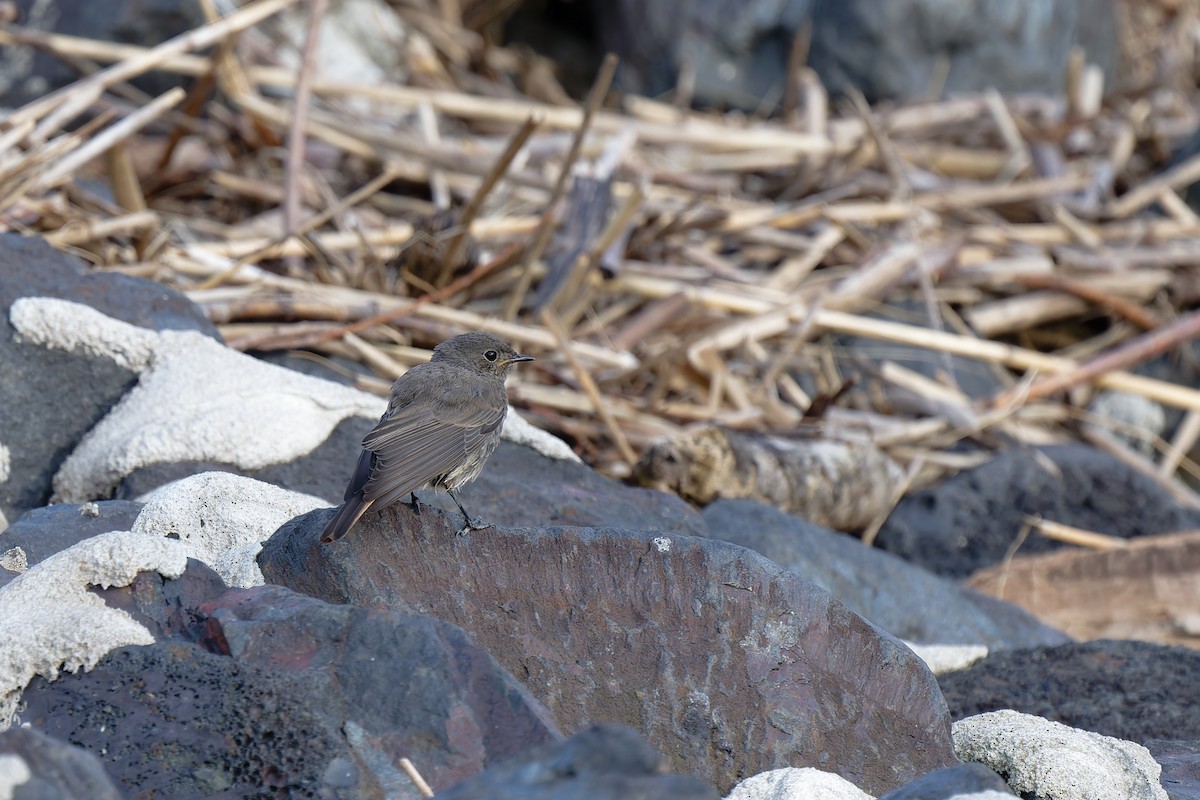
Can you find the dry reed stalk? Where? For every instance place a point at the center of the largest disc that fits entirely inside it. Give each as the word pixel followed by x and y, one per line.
pixel 733 242
pixel 106 139
pixel 1145 347
pixel 545 228
pixel 297 127
pixel 475 204
pixel 1071 535
pixel 80 231
pixel 1181 444
pixel 567 349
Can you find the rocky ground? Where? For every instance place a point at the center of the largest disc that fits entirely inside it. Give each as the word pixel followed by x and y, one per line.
pixel 825 520
pixel 189 636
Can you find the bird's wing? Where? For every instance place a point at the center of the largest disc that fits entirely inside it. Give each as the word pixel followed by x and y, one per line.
pixel 420 441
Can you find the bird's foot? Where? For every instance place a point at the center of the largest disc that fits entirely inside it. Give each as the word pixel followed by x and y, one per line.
pixel 473 525
pixel 414 503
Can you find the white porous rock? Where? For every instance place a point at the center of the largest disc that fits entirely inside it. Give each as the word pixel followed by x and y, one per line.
pixel 51 622
pixel 195 400
pixel 13 773
pixel 76 328
pixel 796 783
pixel 943 658
pixel 14 559
pixel 222 520
pixel 1044 759
pixel 518 429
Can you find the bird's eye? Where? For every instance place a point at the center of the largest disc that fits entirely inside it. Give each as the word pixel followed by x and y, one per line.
pixel 491 355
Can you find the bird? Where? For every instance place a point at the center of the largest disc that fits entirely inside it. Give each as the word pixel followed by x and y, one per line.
pixel 441 425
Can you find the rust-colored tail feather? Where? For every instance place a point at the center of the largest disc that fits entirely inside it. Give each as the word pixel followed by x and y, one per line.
pixel 341 523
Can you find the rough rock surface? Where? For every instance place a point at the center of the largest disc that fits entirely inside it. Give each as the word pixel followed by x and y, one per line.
pixel 42 532
pixel 406 685
pixel 164 606
pixel 34 766
pixel 222 519
pixel 604 762
pixel 729 663
pixel 1130 690
pixel 52 622
pixel 52 397
pixel 1040 758
pixel 903 599
pixel 222 728
pixel 972 519
pixel 195 400
pixel 280 691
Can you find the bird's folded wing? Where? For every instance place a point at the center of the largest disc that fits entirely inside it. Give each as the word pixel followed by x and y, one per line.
pixel 415 446
pixel 362 474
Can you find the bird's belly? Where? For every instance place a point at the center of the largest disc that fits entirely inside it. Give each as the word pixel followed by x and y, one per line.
pixel 470 467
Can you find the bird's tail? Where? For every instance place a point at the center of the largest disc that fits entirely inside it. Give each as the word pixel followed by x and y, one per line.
pixel 341 523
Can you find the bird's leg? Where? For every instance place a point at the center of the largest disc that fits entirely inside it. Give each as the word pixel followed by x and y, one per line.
pixel 472 524
pixel 414 504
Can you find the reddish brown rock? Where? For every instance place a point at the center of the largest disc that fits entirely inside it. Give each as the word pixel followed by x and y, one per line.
pixel 727 663
pixel 407 686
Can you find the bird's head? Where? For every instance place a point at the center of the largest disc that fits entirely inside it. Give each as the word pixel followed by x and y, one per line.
pixel 481 352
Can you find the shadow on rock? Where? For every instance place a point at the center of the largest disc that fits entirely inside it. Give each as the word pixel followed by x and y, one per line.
pixel 604 762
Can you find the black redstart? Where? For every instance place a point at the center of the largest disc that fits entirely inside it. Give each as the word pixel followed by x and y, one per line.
pixel 441 425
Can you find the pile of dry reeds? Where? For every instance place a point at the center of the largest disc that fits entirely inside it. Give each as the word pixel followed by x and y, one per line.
pixel 669 268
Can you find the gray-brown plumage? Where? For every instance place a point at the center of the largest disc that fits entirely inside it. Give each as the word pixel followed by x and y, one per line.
pixel 441 425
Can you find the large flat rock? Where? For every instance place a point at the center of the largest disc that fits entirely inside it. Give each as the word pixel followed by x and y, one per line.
pixel 728 663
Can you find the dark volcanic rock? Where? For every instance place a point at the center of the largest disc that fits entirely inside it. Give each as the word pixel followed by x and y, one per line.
pixel 903 599
pixel 29 267
pixel 605 762
pixel 407 686
pixel 42 532
pixel 971 520
pixel 728 663
pixel 56 770
pixel 520 486
pixel 893 49
pixel 51 398
pixel 957 781
pixel 738 52
pixel 1130 690
pixel 172 720
pixel 166 606
pixel 29 73
pixel 322 472
pixel 279 693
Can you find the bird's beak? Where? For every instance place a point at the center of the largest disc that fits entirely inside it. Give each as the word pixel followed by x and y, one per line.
pixel 519 357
